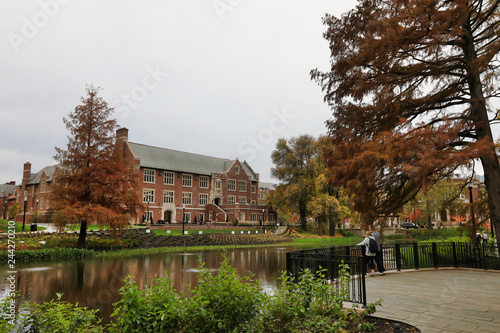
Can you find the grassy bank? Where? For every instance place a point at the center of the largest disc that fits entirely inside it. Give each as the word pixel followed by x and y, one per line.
pixel 4 227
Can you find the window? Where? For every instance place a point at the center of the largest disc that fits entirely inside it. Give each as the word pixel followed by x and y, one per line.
pixel 253 202
pixel 237 169
pixel 187 180
pixel 242 200
pixel 168 178
pixel 261 217
pixel 47 204
pixel 218 184
pixel 187 217
pixel 242 186
pixel 148 195
pixel 41 204
pixel 231 200
pixel 203 182
pixel 148 216
pixel 168 196
pixel 202 217
pixel 231 185
pixel 187 198
pixel 42 186
pixel 253 217
pixel 149 176
pixel 253 188
pixel 203 199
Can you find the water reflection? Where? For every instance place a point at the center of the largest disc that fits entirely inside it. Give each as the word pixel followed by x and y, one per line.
pixel 96 283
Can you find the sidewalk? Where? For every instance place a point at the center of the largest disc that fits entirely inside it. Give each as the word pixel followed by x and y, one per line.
pixel 439 300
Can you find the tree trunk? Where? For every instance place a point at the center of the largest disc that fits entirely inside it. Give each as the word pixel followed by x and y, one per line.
pixel 302 212
pixel 429 213
pixel 83 234
pixel 491 166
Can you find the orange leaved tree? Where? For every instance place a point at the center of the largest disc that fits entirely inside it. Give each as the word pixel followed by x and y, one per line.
pixel 93 185
pixel 410 86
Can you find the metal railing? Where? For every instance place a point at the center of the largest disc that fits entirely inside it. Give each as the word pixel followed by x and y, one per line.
pixel 396 257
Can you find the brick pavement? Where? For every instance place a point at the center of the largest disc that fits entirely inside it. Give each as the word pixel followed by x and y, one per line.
pixel 439 300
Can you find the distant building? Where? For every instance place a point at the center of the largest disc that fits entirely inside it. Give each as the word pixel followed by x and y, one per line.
pixel 7 198
pixel 265 189
pixel 34 193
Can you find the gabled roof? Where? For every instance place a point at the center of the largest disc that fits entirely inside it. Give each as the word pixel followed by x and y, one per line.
pixel 267 185
pixel 7 190
pixel 49 171
pixel 174 160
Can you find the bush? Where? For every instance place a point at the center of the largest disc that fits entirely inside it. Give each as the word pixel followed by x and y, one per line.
pixel 223 302
pixel 55 316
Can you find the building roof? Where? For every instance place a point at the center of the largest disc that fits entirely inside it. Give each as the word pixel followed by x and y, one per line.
pixel 174 160
pixel 49 171
pixel 7 190
pixel 267 185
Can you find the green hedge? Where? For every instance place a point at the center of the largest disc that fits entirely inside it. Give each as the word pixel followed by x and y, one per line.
pixel 44 254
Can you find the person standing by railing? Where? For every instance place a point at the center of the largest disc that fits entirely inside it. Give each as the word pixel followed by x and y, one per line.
pixel 367 255
pixel 379 257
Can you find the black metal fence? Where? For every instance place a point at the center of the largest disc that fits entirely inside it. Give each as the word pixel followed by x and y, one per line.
pixel 396 257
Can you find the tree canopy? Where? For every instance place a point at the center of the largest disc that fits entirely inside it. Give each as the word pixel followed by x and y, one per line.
pixel 410 86
pixel 93 183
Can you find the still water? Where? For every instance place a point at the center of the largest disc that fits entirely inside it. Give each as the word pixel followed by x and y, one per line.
pixel 96 283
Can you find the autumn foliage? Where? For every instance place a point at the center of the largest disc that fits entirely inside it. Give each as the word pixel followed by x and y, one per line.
pixel 93 184
pixel 409 86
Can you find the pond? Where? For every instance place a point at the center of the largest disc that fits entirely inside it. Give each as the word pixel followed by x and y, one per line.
pixel 95 283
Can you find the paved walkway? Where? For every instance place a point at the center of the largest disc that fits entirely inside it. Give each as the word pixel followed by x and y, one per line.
pixel 442 300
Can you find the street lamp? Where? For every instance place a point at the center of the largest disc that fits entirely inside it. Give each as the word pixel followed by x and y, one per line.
pixel 183 217
pixel 263 221
pixel 36 211
pixel 24 216
pixel 471 201
pixel 147 215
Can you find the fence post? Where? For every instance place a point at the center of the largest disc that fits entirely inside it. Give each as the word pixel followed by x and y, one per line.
pixel 398 257
pixel 435 255
pixel 454 249
pixel 348 251
pixel 415 256
pixel 363 279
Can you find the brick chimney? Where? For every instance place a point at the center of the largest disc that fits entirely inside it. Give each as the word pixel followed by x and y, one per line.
pixel 122 134
pixel 27 172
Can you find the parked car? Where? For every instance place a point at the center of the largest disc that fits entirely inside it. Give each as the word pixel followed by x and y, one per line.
pixel 409 225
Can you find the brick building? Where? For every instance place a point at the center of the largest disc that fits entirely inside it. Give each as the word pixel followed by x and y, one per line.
pixel 7 198
pixel 34 193
pixel 174 184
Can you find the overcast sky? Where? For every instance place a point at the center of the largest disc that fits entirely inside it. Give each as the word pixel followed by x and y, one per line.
pixel 224 78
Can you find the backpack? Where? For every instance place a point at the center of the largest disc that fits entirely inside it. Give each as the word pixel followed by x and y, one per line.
pixel 372 247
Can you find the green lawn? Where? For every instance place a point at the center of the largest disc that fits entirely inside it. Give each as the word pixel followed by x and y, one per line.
pixel 4 226
pixel 205 231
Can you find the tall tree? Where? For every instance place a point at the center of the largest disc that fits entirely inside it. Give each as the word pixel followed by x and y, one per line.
pixel 296 167
pixel 93 183
pixel 409 85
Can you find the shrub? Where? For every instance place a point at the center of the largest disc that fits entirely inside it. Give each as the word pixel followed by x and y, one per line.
pixel 55 316
pixel 311 305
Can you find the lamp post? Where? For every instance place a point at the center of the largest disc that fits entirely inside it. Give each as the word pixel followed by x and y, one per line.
pixel 183 217
pixel 24 216
pixel 263 221
pixel 471 201
pixel 147 214
pixel 36 211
